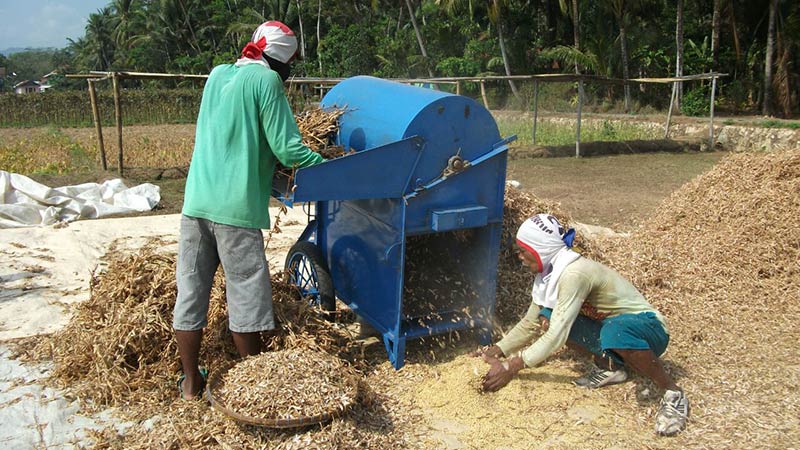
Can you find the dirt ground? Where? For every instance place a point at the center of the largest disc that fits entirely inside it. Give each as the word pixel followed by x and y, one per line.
pixel 611 191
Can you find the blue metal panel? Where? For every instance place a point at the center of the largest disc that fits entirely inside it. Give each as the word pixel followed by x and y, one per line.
pixel 454 219
pixel 381 172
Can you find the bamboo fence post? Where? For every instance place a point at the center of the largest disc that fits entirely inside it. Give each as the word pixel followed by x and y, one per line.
pixel 711 125
pixel 535 107
pixel 669 111
pixel 118 117
pixel 98 127
pixel 578 128
pixel 458 88
pixel 483 94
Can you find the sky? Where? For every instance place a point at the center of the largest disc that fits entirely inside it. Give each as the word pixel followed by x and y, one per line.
pixel 44 23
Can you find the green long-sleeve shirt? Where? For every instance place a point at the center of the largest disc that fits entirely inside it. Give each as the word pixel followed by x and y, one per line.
pixel 244 125
pixel 587 287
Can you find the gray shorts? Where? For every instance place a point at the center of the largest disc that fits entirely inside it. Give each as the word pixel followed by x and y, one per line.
pixel 202 246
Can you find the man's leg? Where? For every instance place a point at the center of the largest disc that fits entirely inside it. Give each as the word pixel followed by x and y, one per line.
pixel 584 338
pixel 247 344
pixel 189 350
pixel 197 263
pixel 647 364
pixel 247 282
pixel 639 339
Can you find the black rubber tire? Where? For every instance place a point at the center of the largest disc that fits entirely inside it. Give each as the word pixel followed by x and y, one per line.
pixel 308 254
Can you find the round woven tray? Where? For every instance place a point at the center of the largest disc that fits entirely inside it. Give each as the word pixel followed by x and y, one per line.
pixel 296 422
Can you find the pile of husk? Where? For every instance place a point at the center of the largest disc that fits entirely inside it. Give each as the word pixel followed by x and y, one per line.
pixel 291 384
pixel 514 281
pixel 721 260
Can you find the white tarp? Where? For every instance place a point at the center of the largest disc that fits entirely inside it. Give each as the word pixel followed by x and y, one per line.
pixel 24 202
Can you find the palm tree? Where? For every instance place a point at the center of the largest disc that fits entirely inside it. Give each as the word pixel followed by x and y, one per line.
pixel 715 21
pixel 495 14
pixel 766 107
pixel 419 37
pixel 574 12
pixel 678 87
pixel 99 41
pixel 618 8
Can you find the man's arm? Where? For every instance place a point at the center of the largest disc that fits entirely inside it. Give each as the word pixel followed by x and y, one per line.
pixel 281 130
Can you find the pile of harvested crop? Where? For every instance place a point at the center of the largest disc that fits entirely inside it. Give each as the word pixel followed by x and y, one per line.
pixel 287 385
pixel 318 126
pixel 721 259
pixel 119 347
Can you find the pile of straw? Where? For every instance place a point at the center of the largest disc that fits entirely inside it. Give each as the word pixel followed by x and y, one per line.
pixel 119 347
pixel 721 260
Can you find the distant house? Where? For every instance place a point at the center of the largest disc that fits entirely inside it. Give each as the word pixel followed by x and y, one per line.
pixel 44 82
pixel 27 87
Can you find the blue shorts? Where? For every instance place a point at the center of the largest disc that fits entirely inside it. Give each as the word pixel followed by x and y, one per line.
pixel 202 246
pixel 642 331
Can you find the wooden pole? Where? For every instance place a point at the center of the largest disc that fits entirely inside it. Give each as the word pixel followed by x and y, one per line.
pixel 578 128
pixel 118 117
pixel 458 88
pixel 483 94
pixel 669 111
pixel 535 108
pixel 711 126
pixel 98 127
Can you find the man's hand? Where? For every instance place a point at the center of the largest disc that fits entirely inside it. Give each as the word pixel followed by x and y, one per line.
pixel 500 372
pixel 488 350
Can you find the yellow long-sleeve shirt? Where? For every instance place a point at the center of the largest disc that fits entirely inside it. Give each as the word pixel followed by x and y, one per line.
pixel 585 287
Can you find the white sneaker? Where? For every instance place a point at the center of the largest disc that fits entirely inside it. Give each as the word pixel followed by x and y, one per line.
pixel 672 414
pixel 597 377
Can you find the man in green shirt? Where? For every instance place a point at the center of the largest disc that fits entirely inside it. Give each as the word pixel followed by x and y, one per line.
pixel 594 310
pixel 244 126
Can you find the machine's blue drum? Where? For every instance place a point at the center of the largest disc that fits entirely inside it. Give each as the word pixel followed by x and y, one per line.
pixel 379 112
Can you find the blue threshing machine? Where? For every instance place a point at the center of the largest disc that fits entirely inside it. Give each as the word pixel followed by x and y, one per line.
pixel 425 165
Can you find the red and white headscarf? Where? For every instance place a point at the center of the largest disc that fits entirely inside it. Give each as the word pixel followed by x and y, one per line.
pixel 545 238
pixel 273 39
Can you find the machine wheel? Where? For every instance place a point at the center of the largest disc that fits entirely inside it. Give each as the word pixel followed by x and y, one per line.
pixel 310 273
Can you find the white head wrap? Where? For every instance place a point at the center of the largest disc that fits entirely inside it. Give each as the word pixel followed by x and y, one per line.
pixel 273 39
pixel 545 238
